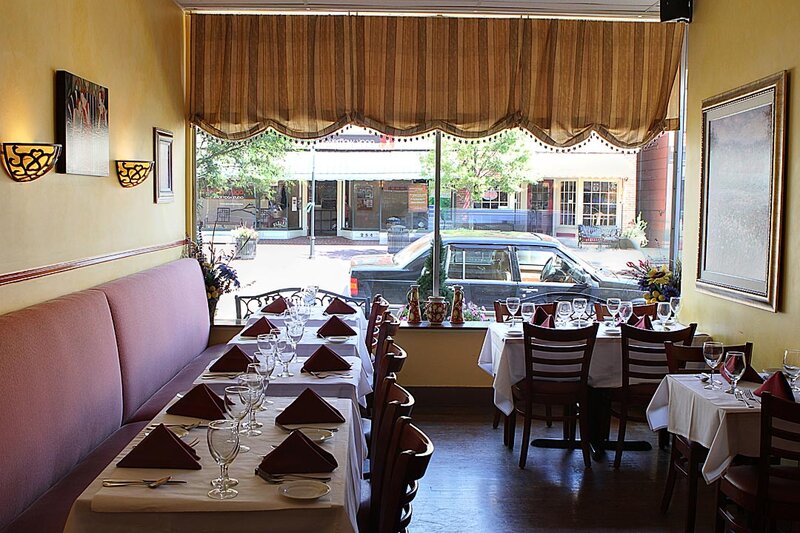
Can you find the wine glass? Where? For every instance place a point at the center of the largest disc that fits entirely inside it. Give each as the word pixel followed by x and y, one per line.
pixel 712 353
pixel 264 343
pixel 528 310
pixel 663 310
pixel 613 308
pixel 735 365
pixel 284 355
pixel 579 306
pixel 625 312
pixel 237 404
pixel 675 305
pixel 791 366
pixel 303 314
pixel 563 311
pixel 310 295
pixel 512 304
pixel 295 331
pixel 223 444
pixel 255 382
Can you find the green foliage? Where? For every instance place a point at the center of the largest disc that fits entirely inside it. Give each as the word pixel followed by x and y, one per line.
pixel 500 164
pixel 254 165
pixel 425 280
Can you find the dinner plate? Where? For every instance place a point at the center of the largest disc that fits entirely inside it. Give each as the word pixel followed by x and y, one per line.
pixel 306 489
pixel 337 340
pixel 514 333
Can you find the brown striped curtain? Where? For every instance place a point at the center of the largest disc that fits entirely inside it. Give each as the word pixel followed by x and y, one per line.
pixel 308 76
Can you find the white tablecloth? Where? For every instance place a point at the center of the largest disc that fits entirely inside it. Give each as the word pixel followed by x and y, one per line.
pixel 714 419
pixel 258 507
pixel 317 318
pixel 504 358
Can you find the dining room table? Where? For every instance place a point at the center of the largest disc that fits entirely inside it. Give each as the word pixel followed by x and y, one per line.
pixel 259 506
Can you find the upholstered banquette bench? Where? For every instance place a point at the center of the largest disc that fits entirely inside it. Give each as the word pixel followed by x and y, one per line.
pixel 81 375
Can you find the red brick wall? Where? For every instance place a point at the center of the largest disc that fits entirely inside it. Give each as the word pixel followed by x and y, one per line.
pixel 653 185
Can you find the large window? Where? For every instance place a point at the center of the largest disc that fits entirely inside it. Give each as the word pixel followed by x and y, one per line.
pixel 568 203
pixel 600 203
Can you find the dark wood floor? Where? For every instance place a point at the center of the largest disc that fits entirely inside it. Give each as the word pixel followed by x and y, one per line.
pixel 473 483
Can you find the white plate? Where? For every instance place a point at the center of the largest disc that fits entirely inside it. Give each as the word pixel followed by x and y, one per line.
pixel 307 489
pixel 317 435
pixel 337 340
pixel 514 333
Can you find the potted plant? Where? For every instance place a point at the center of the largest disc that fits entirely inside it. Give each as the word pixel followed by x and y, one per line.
pixel 218 275
pixel 246 242
pixel 635 234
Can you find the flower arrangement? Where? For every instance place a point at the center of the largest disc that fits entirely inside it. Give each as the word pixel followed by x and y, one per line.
pixel 659 283
pixel 243 233
pixel 218 275
pixel 473 313
pixel 636 231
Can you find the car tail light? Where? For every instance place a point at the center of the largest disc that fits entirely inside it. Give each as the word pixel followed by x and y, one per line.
pixel 353 286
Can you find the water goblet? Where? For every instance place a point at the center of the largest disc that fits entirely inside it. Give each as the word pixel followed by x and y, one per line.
pixel 264 343
pixel 675 305
pixel 735 365
pixel 528 310
pixel 664 311
pixel 255 382
pixel 563 312
pixel 512 304
pixel 237 405
pixel 625 312
pixel 613 308
pixel 285 356
pixel 712 353
pixel 791 366
pixel 579 305
pixel 223 444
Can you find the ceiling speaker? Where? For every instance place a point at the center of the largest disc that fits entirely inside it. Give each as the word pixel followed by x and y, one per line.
pixel 676 10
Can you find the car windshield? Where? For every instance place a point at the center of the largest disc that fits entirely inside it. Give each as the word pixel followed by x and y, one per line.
pixel 411 251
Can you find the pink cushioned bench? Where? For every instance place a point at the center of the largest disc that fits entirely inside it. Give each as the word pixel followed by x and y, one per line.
pixel 82 374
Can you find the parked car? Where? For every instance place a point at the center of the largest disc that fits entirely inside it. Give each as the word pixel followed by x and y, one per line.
pixel 491 265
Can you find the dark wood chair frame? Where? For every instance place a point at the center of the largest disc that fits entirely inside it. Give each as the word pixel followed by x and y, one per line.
pixel 542 368
pixel 376 315
pixel 247 305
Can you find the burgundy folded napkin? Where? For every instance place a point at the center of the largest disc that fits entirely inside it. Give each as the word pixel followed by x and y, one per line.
pixel 749 374
pixel 335 327
pixel 309 408
pixel 234 360
pixel 642 322
pixel 338 307
pixel 262 326
pixel 548 322
pixel 297 454
pixel 200 402
pixel 778 386
pixel 161 449
pixel 325 360
pixel 539 316
pixel 275 307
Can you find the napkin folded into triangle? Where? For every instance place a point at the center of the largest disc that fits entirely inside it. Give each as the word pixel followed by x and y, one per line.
pixel 641 322
pixel 297 454
pixel 276 306
pixel 325 360
pixel 778 386
pixel 749 374
pixel 335 327
pixel 161 449
pixel 262 326
pixel 200 402
pixel 539 316
pixel 339 307
pixel 309 408
pixel 234 360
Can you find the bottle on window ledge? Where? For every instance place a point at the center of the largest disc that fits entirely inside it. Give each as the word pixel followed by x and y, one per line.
pixel 457 314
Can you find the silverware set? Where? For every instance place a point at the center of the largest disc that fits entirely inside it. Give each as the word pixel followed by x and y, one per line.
pixel 149 483
pixel 285 428
pixel 277 479
pixel 747 397
pixel 187 427
pixel 330 374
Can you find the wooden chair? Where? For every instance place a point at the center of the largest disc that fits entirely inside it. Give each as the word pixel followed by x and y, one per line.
pixel 556 373
pixel 502 315
pixel 409 455
pixel 388 328
pixel 765 492
pixel 601 311
pixel 644 365
pixel 376 315
pixel 686 456
pixel 247 305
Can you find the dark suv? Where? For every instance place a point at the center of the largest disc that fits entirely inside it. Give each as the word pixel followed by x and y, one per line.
pixel 490 265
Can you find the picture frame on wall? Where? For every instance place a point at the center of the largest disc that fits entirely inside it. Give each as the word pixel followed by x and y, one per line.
pixel 741 193
pixel 82 126
pixel 163 184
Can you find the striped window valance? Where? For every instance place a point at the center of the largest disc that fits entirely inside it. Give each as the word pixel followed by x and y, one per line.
pixel 308 76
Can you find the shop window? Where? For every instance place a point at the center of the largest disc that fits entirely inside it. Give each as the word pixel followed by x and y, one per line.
pixel 567 203
pixel 600 203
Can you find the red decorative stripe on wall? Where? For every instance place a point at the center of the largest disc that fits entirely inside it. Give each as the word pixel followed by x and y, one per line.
pixel 57 268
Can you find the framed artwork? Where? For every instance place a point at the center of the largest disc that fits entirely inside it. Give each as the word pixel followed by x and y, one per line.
pixel 162 156
pixel 741 193
pixel 81 125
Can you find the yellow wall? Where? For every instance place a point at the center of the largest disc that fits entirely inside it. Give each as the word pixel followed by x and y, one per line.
pixel 135 49
pixel 732 43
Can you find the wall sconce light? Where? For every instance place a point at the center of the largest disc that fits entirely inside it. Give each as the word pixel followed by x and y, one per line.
pixel 29 161
pixel 132 173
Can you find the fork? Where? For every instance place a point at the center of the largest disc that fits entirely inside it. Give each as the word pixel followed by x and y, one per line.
pixel 750 396
pixel 740 396
pixel 194 442
pixel 334 430
pixel 321 375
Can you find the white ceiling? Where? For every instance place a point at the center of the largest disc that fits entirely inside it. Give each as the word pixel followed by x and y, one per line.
pixel 625 9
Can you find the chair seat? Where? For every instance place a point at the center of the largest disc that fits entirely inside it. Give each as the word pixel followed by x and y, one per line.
pixel 740 483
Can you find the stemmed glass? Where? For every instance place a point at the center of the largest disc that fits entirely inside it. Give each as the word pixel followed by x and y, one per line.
pixel 625 312
pixel 264 343
pixel 295 331
pixel 303 314
pixel 791 366
pixel 563 312
pixel 512 304
pixel 734 366
pixel 675 305
pixel 712 353
pixel 663 310
pixel 579 306
pixel 223 443
pixel 528 310
pixel 613 308
pixel 237 404
pixel 310 295
pixel 285 356
pixel 255 382
pixel 264 369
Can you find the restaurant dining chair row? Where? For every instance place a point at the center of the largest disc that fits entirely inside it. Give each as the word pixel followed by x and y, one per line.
pixel 246 305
